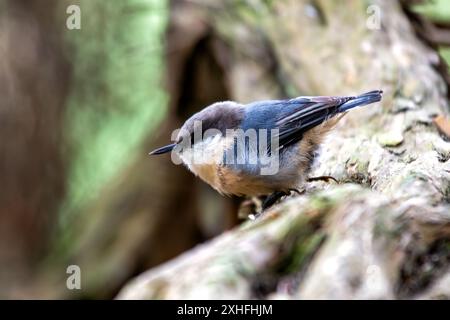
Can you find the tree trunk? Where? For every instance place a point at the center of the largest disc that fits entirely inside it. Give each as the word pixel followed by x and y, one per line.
pixel 384 230
pixel 34 77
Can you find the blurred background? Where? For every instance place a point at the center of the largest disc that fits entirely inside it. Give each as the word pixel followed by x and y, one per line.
pixel 80 110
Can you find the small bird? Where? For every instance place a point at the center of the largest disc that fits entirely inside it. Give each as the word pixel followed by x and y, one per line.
pixel 264 148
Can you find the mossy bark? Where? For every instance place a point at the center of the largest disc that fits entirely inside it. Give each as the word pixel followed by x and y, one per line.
pixel 383 232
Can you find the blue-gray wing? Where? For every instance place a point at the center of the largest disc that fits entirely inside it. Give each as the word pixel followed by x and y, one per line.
pixel 310 112
pixel 293 117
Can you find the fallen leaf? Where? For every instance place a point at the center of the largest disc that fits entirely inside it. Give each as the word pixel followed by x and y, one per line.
pixel 443 125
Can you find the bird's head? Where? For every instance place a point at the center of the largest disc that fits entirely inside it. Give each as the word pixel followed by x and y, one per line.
pixel 202 135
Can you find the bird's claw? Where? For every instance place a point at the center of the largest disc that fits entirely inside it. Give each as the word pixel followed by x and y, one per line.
pixel 274 197
pixel 322 178
pixel 271 199
pixel 297 191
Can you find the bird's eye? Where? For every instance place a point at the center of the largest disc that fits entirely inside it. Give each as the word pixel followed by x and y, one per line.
pixel 186 140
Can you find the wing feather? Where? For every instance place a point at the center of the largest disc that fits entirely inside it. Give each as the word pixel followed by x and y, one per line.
pixel 310 112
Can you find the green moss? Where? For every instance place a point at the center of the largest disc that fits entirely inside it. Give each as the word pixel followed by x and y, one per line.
pixel 383 229
pixel 320 203
pixel 116 96
pixel 390 139
pixel 301 253
pixel 361 165
pixel 306 235
pixel 116 100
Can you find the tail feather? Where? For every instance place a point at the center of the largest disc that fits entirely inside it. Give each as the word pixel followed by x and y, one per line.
pixel 362 100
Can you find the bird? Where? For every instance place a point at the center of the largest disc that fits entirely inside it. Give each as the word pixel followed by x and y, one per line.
pixel 263 148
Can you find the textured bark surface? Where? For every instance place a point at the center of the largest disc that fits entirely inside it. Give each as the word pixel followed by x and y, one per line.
pixel 384 230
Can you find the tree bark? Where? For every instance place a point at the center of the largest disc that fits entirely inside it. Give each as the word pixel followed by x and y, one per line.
pixel 383 232
pixel 34 74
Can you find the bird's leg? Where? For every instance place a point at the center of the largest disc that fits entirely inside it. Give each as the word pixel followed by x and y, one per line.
pixel 322 178
pixel 271 199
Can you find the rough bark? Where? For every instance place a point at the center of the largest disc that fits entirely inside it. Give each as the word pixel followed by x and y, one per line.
pixel 383 232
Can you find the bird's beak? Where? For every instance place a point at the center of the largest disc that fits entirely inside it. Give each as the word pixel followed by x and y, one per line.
pixel 164 149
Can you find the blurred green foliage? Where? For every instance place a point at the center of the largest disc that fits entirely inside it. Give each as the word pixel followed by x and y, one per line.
pixel 116 95
pixel 437 10
pixel 445 52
